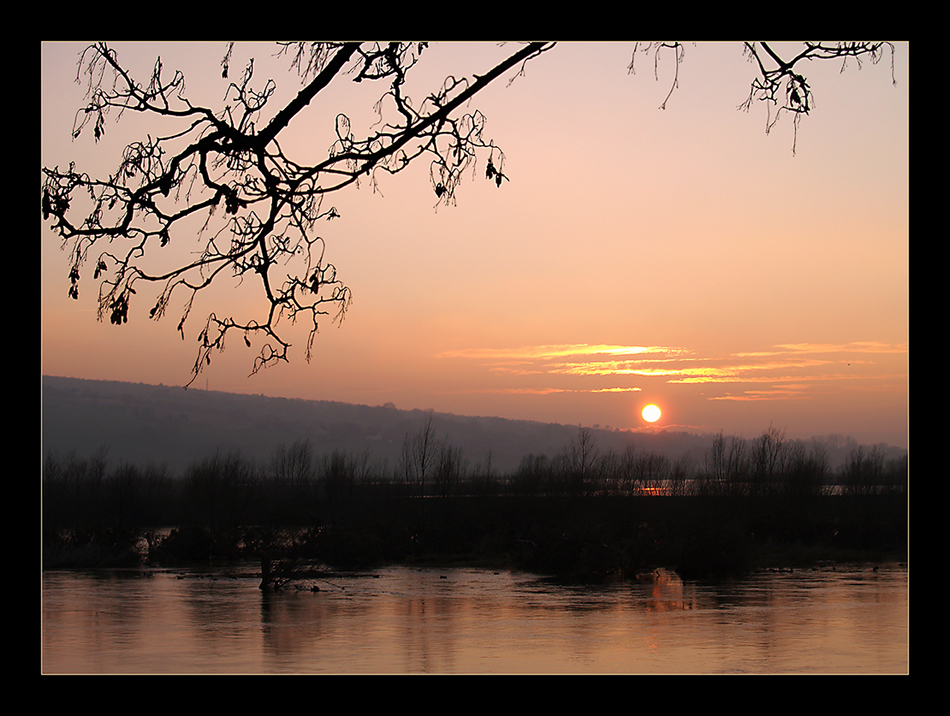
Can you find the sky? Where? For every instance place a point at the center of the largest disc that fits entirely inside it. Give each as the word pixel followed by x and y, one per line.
pixel 683 256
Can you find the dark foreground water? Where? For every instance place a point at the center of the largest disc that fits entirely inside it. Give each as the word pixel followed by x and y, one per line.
pixel 852 619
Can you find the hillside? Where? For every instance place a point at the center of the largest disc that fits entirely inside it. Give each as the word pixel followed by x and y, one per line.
pixel 167 425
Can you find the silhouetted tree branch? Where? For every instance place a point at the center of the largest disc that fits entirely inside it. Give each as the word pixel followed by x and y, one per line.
pixel 170 188
pixel 781 85
pixel 779 82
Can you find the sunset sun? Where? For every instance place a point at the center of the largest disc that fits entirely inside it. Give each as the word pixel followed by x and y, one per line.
pixel 651 413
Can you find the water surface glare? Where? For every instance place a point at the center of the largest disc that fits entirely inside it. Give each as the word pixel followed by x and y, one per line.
pixel 401 620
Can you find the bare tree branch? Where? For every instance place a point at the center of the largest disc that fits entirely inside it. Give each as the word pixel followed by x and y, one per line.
pixel 168 189
pixel 782 87
pixel 779 83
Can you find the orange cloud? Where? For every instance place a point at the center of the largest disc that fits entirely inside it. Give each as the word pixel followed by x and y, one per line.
pixel 823 348
pixel 786 371
pixel 549 391
pixel 551 352
pixel 788 393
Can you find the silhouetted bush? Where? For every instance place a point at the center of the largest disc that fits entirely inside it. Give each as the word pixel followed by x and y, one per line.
pixel 186 544
pixel 348 548
pixel 713 548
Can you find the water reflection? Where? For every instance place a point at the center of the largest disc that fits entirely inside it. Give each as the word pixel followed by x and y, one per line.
pixel 475 621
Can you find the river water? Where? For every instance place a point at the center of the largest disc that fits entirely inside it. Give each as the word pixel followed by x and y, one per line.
pixel 846 619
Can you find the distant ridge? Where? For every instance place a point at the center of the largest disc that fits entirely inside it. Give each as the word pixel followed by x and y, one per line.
pixel 142 424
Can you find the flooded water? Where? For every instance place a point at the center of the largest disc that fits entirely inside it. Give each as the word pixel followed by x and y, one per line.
pixel 853 619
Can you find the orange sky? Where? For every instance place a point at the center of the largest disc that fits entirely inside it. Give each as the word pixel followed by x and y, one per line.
pixel 680 257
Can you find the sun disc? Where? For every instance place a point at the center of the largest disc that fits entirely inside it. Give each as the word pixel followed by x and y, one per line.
pixel 651 413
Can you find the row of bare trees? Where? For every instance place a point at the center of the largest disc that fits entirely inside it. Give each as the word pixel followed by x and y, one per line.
pixel 298 486
pixel 582 468
pixel 348 508
pixel 768 465
pixel 88 493
pixel 774 465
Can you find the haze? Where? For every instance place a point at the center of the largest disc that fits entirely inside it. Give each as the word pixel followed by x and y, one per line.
pixel 680 257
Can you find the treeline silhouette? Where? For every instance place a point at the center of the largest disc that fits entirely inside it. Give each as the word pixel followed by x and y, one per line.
pixel 583 513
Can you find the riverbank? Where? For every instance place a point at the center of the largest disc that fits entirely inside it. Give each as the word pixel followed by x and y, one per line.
pixel 584 538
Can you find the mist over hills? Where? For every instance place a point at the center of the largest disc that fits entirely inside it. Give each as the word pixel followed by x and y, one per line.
pixel 155 424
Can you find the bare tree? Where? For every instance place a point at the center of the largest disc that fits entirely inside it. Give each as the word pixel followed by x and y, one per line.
pixel 581 454
pixel 863 472
pixel 168 188
pixel 419 455
pixel 716 461
pixel 449 469
pixel 768 454
pixel 805 470
pixel 222 175
pixel 293 476
pixel 737 466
